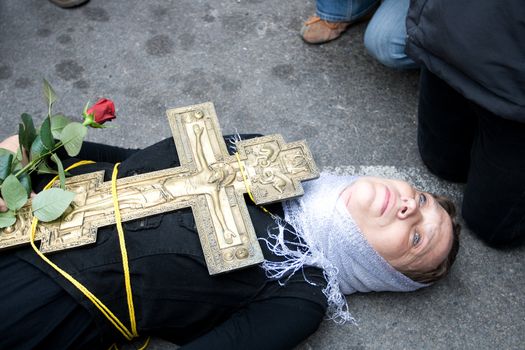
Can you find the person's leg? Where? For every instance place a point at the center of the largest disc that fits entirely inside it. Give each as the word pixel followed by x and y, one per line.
pixel 343 10
pixel 446 128
pixel 494 197
pixel 333 17
pixel 385 36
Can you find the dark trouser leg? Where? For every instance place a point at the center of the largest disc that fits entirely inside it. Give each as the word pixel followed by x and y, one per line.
pixel 460 141
pixel 494 198
pixel 446 128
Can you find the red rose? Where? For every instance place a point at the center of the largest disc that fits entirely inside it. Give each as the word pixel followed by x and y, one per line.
pixel 102 111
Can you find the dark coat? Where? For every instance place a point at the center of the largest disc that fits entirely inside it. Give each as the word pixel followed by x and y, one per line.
pixel 174 296
pixel 476 46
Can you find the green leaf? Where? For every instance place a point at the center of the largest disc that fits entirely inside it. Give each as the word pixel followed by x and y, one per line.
pixel 49 94
pixel 19 157
pixel 26 131
pixel 46 135
pixel 72 137
pixel 48 205
pixel 16 167
pixel 86 107
pixel 4 151
pixel 44 168
pixel 58 122
pixel 25 180
pixel 7 219
pixel 37 148
pixel 13 193
pixel 61 173
pixel 5 165
pixel 96 125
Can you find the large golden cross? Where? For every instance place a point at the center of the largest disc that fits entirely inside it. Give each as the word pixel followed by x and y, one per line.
pixel 208 180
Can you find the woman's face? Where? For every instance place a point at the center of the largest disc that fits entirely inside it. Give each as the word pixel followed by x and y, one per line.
pixel 408 228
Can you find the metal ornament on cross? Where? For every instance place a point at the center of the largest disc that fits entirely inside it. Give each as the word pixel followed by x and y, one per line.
pixel 208 180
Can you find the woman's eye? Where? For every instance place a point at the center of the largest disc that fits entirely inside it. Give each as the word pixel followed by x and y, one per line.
pixel 415 239
pixel 422 199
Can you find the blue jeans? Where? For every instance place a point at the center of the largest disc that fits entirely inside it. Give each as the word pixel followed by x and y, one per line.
pixel 385 35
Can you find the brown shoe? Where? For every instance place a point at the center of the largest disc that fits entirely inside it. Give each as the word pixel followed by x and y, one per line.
pixel 318 31
pixel 68 3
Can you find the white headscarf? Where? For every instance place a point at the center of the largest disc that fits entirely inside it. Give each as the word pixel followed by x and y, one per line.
pixel 334 243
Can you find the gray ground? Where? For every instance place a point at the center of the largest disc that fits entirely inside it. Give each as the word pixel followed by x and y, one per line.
pixel 247 58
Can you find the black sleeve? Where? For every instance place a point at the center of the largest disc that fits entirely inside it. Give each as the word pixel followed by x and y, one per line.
pixel 279 323
pixel 112 154
pixel 100 153
pixel 104 156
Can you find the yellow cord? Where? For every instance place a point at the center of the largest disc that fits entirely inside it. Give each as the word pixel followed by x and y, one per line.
pixel 146 343
pixel 124 252
pixel 245 180
pixel 129 335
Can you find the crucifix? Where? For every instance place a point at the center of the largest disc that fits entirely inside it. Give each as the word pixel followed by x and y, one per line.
pixel 208 180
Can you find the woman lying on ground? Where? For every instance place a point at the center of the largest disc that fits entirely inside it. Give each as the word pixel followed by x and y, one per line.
pixel 345 235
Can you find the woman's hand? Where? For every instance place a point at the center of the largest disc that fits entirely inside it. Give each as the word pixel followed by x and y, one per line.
pixel 11 143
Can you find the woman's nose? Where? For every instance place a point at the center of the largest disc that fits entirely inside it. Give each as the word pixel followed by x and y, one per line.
pixel 407 207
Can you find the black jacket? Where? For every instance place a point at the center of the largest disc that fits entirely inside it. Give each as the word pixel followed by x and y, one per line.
pixel 476 46
pixel 174 296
